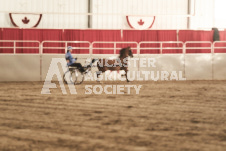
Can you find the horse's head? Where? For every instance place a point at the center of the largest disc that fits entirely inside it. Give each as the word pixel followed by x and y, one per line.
pixel 130 52
pixel 126 52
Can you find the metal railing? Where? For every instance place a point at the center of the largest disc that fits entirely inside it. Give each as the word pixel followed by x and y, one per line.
pixel 161 46
pixel 13 45
pixel 66 44
pixel 222 46
pixel 199 47
pixel 114 48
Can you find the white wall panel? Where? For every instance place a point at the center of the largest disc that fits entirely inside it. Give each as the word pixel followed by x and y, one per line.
pixel 56 13
pixel 198 67
pixel 204 14
pixel 65 13
pixel 219 70
pixel 162 9
pixel 21 68
pixel 192 66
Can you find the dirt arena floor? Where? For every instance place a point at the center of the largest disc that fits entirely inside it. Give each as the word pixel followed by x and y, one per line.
pixel 174 116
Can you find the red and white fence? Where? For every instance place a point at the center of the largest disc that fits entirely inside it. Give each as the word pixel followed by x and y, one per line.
pixel 110 47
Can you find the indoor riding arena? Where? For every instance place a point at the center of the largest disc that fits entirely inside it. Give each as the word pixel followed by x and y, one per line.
pixel 112 75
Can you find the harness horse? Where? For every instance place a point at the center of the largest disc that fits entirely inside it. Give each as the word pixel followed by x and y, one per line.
pixel 117 64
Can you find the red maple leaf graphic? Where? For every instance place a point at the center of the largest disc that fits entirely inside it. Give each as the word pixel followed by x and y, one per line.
pixel 25 20
pixel 141 22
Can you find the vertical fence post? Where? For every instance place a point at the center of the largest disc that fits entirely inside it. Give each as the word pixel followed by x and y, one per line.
pixel 114 48
pixel 90 50
pixel 65 46
pixel 14 47
pixel 41 52
pixel 161 48
pixel 212 52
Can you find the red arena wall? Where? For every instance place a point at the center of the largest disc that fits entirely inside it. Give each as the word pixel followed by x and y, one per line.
pixel 104 35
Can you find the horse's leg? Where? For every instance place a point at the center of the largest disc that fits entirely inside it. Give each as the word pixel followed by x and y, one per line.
pixel 98 74
pixel 126 70
pixel 100 68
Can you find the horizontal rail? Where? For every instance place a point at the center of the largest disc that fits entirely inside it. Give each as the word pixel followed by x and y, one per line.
pixel 15 47
pixel 161 47
pixel 199 48
pixel 66 44
pixel 113 45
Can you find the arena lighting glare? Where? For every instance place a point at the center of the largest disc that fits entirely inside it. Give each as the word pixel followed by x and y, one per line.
pixel 220 10
pixel 219 16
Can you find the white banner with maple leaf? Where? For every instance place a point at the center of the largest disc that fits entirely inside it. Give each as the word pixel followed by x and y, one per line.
pixel 25 20
pixel 140 22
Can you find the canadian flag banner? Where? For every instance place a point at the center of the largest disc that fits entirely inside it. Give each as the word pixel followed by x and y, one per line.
pixel 25 20
pixel 140 22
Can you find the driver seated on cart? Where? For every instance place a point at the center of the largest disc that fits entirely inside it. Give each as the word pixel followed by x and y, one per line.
pixel 72 61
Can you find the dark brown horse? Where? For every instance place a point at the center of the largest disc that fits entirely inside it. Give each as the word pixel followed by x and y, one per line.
pixel 120 63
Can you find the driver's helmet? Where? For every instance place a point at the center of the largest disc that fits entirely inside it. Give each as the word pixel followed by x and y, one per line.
pixel 69 48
